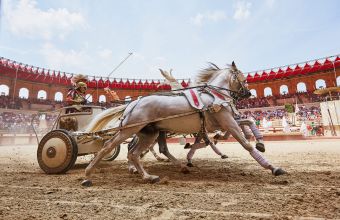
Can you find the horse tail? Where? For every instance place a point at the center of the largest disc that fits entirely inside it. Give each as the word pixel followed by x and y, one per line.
pixel 171 80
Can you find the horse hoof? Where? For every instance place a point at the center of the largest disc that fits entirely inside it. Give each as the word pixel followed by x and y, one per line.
pixel 152 179
pixel 155 180
pixel 86 183
pixel 224 156
pixel 185 170
pixel 133 171
pixel 187 146
pixel 278 171
pixel 190 165
pixel 260 147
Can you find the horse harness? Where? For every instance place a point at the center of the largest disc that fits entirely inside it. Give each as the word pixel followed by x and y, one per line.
pixel 220 99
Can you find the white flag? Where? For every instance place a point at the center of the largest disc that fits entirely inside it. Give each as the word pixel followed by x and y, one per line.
pixel 296 107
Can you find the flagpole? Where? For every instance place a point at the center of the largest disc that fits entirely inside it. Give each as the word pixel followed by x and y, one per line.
pixel 97 91
pixel 15 82
pixel 296 110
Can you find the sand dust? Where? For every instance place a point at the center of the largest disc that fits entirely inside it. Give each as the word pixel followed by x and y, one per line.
pixel 235 188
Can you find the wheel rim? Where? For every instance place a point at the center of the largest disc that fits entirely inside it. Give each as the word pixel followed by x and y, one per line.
pixel 57 152
pixel 54 152
pixel 113 154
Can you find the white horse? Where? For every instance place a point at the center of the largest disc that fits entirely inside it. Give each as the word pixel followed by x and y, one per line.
pixel 147 116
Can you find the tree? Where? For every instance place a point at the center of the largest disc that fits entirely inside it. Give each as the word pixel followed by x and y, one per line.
pixel 289 108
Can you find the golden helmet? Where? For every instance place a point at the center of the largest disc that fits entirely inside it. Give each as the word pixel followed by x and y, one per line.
pixel 78 78
pixel 81 85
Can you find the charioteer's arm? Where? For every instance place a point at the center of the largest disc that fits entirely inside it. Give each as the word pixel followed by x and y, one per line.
pixel 112 94
pixel 73 98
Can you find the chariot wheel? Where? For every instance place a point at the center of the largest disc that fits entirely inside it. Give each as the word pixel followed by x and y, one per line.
pixel 112 155
pixel 57 152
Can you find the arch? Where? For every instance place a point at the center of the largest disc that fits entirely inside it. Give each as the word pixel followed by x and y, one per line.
pixel 88 97
pixel 102 98
pixel 253 92
pixel 4 90
pixel 42 94
pixel 58 96
pixel 268 91
pixel 284 89
pixel 338 81
pixel 301 87
pixel 320 83
pixel 24 93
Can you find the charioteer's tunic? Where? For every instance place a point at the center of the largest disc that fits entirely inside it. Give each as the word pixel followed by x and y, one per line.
pixel 75 98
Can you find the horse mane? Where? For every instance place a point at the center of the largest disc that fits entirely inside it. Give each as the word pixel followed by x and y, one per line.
pixel 207 73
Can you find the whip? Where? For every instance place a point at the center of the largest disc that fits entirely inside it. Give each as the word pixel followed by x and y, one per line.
pixel 119 64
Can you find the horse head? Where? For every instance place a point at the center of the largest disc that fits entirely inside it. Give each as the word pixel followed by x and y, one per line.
pixel 238 82
pixel 230 81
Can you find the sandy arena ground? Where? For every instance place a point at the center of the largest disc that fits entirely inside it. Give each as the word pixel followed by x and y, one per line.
pixel 235 188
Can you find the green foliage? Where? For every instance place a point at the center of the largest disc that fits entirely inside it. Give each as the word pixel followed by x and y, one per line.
pixel 289 108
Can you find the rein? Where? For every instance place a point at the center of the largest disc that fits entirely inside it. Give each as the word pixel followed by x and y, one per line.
pixel 202 87
pixel 224 89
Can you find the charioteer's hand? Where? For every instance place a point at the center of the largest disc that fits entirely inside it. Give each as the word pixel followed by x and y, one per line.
pixel 79 100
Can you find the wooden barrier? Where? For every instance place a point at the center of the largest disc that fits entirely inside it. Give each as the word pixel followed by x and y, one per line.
pixel 18 139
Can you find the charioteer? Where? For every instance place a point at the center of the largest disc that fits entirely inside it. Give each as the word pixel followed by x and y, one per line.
pixel 76 95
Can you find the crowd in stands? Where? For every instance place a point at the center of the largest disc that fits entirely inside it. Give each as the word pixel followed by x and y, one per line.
pixel 300 97
pixel 304 113
pixel 9 103
pixel 19 122
pixel 252 103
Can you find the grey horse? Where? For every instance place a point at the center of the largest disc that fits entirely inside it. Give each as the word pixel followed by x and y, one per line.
pixel 147 116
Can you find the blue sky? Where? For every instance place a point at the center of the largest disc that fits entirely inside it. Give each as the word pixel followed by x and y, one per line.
pixel 92 37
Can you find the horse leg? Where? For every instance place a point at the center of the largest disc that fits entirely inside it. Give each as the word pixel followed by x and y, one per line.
pixel 132 168
pixel 131 146
pixel 219 135
pixel 108 146
pixel 257 134
pixel 217 151
pixel 246 132
pixel 213 146
pixel 233 128
pixel 154 152
pixel 144 153
pixel 145 140
pixel 163 148
pixel 194 147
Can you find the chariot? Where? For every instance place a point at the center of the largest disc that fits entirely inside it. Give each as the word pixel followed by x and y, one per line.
pixel 59 148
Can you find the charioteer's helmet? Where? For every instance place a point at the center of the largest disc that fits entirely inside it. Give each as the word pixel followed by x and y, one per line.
pixel 78 78
pixel 81 85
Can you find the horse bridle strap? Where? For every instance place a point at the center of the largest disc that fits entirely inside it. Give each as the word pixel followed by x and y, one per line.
pixel 217 88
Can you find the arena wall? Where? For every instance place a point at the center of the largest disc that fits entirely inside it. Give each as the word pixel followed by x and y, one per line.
pixel 52 89
pixel 36 81
pixel 329 76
